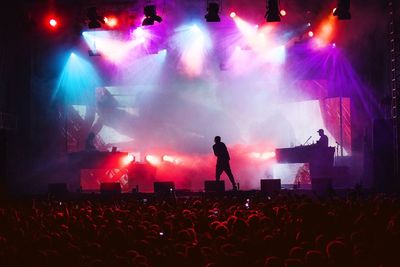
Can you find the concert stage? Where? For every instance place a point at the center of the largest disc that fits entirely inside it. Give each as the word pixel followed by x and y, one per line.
pixel 158 94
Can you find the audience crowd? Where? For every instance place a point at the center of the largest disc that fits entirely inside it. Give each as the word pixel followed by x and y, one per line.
pixel 285 230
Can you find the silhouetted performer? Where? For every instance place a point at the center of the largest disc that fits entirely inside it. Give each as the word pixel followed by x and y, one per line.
pixel 89 144
pixel 222 154
pixel 323 140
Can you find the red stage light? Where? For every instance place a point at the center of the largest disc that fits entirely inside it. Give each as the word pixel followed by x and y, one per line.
pixel 310 33
pixel 153 160
pixel 111 21
pixel 128 159
pixel 171 159
pixel 53 22
pixel 168 158
pixel 233 14
pixel 263 156
pixel 283 12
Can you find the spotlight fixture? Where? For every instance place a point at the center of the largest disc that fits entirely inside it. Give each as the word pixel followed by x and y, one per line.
pixel 111 21
pixel 53 22
pixel 150 13
pixel 95 20
pixel 273 14
pixel 342 11
pixel 212 12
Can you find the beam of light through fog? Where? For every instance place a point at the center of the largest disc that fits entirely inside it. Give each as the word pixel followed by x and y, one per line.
pixel 77 81
pixel 194 44
pixel 182 98
pixel 262 41
pixel 108 45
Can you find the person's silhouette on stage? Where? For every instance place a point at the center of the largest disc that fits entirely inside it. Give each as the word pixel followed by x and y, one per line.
pixel 89 143
pixel 222 154
pixel 323 140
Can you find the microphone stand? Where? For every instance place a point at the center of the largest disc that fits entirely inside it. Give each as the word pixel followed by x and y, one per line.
pixel 337 148
pixel 307 140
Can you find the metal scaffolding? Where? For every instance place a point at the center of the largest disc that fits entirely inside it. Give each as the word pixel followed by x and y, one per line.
pixel 394 47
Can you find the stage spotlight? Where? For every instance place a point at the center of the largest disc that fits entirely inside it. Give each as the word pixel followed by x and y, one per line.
pixel 262 156
pixel 150 14
pixel 126 160
pixel 310 33
pixel 273 14
pixel 171 159
pixel 342 11
pixel 111 21
pixel 212 12
pixel 53 23
pixel 153 160
pixel 168 158
pixel 232 15
pixel 95 20
pixel 283 12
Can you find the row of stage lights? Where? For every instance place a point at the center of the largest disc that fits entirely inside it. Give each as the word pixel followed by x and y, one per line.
pixel 151 159
pixel 273 14
pixel 168 159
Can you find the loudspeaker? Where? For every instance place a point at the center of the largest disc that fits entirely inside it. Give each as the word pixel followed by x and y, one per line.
pixel 270 185
pixel 321 185
pixel 383 155
pixel 214 186
pixel 164 187
pixel 110 188
pixel 57 189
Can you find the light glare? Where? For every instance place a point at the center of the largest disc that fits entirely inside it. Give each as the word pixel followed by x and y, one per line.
pixel 111 21
pixel 154 160
pixel 128 159
pixel 53 22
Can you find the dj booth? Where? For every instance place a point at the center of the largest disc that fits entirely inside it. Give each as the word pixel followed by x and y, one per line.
pixel 320 160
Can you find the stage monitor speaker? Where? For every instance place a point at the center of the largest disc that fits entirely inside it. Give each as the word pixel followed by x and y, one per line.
pixel 57 189
pixel 321 185
pixel 164 187
pixel 214 186
pixel 110 188
pixel 270 185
